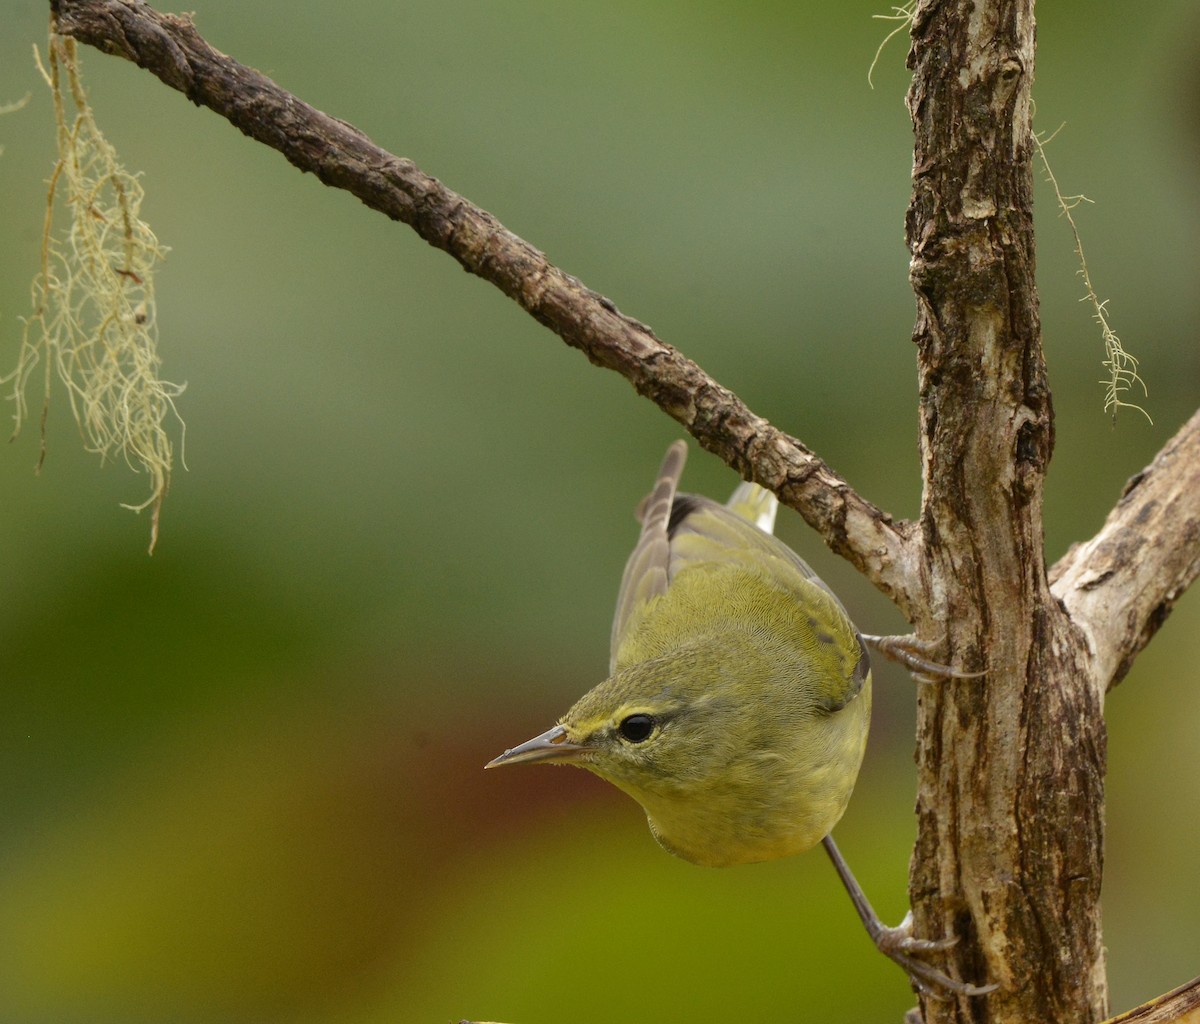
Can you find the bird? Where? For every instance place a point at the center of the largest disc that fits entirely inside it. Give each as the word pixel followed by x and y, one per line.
pixel 738 699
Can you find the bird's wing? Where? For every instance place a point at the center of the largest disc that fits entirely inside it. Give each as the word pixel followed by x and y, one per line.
pixel 723 535
pixel 645 576
pixel 702 531
pixel 680 531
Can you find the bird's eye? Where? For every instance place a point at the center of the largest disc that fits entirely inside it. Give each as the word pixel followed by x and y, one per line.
pixel 636 728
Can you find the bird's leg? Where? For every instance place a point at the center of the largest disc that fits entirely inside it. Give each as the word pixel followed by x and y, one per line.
pixel 899 944
pixel 912 652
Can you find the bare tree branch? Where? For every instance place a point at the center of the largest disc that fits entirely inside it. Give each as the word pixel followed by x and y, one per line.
pixel 1179 1006
pixel 1121 585
pixel 342 156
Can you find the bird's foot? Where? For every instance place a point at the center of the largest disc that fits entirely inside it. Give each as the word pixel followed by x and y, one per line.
pixel 906 950
pixel 913 653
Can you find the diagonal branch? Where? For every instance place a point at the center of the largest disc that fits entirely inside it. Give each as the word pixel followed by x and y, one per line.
pixel 1179 1006
pixel 1121 585
pixel 342 156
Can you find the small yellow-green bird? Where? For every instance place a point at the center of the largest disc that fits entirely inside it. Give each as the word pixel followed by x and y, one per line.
pixel 738 698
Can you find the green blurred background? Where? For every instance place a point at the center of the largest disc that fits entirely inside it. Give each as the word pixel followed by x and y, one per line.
pixel 241 779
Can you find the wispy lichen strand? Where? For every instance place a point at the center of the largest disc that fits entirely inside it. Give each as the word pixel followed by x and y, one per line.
pixel 1120 366
pixel 12 108
pixel 904 15
pixel 93 323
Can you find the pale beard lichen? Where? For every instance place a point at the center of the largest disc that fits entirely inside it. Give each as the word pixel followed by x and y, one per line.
pixel 1120 366
pixel 904 15
pixel 93 323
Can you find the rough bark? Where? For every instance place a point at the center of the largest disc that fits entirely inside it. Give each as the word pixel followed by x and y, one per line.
pixel 1010 797
pixel 1120 586
pixel 1009 850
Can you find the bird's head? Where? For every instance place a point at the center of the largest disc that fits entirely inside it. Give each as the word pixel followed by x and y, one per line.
pixel 658 730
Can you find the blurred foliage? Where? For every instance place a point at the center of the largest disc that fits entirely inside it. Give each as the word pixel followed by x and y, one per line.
pixel 241 779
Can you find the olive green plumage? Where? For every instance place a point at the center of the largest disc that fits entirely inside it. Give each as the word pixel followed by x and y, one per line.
pixel 739 694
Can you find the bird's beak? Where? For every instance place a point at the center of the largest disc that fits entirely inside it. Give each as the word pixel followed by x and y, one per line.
pixel 552 745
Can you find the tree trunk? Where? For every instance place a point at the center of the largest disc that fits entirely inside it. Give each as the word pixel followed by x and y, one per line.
pixel 1009 849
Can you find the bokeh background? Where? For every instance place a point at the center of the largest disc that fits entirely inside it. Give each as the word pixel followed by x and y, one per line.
pixel 241 779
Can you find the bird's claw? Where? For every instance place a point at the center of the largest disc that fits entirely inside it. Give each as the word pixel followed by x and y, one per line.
pixel 901 940
pixel 899 944
pixel 903 948
pixel 913 653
